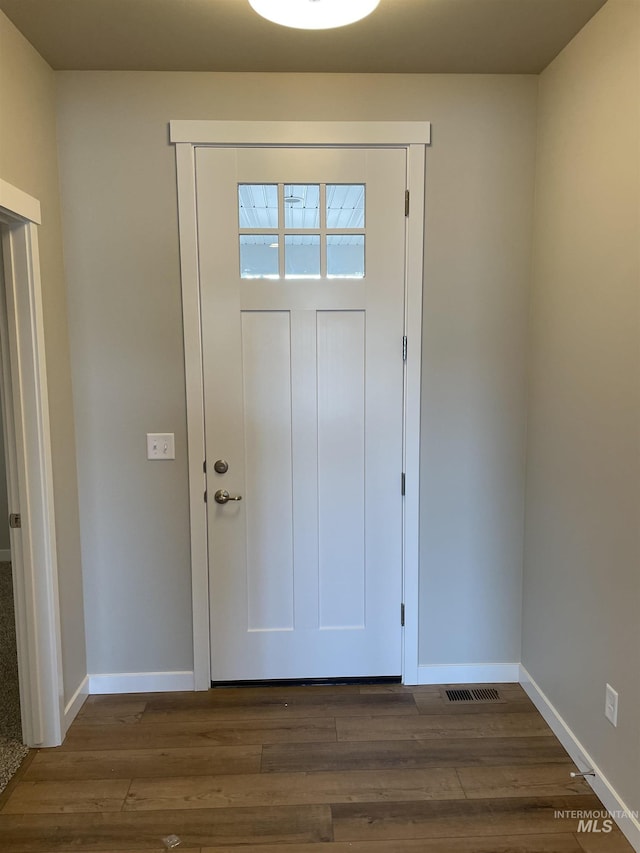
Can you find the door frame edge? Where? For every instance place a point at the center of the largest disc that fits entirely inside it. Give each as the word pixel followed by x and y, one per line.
pixel 414 272
pixel 194 377
pixel 186 136
pixel 30 474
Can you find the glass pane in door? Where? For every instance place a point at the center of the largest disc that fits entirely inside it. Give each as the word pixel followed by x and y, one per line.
pixel 259 256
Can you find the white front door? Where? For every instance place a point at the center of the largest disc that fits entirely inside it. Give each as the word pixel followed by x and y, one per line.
pixel 302 255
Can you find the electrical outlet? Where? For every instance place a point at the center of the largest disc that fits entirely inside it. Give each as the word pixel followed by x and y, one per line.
pixel 161 445
pixel 611 705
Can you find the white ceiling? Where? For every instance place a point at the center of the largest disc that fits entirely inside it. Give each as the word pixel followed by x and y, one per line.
pixel 412 36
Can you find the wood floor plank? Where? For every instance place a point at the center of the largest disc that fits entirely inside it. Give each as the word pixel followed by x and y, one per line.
pixel 565 843
pixel 408 754
pixel 592 842
pixel 451 818
pixel 184 735
pixel 117 719
pixel 416 690
pixel 125 764
pixel 442 725
pixel 143 831
pixel 543 780
pixel 106 699
pixel 106 713
pixel 109 706
pixel 280 705
pixel 115 703
pixel 219 696
pixel 104 795
pixel 551 843
pixel 292 789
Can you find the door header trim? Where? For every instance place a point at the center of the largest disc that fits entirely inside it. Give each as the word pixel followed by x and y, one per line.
pixel 292 133
pixel 19 204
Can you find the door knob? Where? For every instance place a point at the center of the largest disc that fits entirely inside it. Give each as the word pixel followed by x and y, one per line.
pixel 222 496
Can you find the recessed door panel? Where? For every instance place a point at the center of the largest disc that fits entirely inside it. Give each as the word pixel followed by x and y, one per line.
pixel 266 369
pixel 341 468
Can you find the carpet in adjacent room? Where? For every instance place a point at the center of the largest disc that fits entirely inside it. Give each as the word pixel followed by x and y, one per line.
pixel 12 750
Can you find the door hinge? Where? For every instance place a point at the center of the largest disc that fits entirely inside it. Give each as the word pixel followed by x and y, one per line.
pixel 204 467
pixel 402 615
pixel 15 520
pixel 205 497
pixel 404 482
pixel 404 347
pixel 406 202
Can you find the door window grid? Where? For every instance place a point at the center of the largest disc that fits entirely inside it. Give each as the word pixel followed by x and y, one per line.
pixel 279 219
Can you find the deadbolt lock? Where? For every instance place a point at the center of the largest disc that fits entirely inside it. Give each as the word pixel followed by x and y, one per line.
pixel 220 466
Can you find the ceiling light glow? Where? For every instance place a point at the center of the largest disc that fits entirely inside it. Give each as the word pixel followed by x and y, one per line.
pixel 314 14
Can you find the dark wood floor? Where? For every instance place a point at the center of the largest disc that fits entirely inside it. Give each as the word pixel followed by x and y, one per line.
pixel 355 769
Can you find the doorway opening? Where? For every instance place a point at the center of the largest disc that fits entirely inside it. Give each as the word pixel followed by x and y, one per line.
pixel 29 474
pixel 12 747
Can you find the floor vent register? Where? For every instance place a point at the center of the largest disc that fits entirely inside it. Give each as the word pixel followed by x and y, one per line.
pixel 472 694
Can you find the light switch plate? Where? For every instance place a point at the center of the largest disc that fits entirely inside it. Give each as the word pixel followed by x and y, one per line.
pixel 611 705
pixel 161 445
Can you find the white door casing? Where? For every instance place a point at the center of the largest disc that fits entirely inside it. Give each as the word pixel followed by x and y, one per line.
pixel 303 387
pixel 30 475
pixel 188 137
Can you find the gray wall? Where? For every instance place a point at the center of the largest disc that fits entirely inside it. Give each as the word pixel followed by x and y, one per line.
pixel 582 568
pixel 121 248
pixel 28 160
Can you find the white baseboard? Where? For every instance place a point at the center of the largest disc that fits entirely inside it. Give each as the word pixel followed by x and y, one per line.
pixel 605 792
pixel 5 555
pixel 140 682
pixel 469 673
pixel 76 702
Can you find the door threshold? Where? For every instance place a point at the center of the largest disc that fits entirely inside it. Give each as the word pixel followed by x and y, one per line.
pixel 310 682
